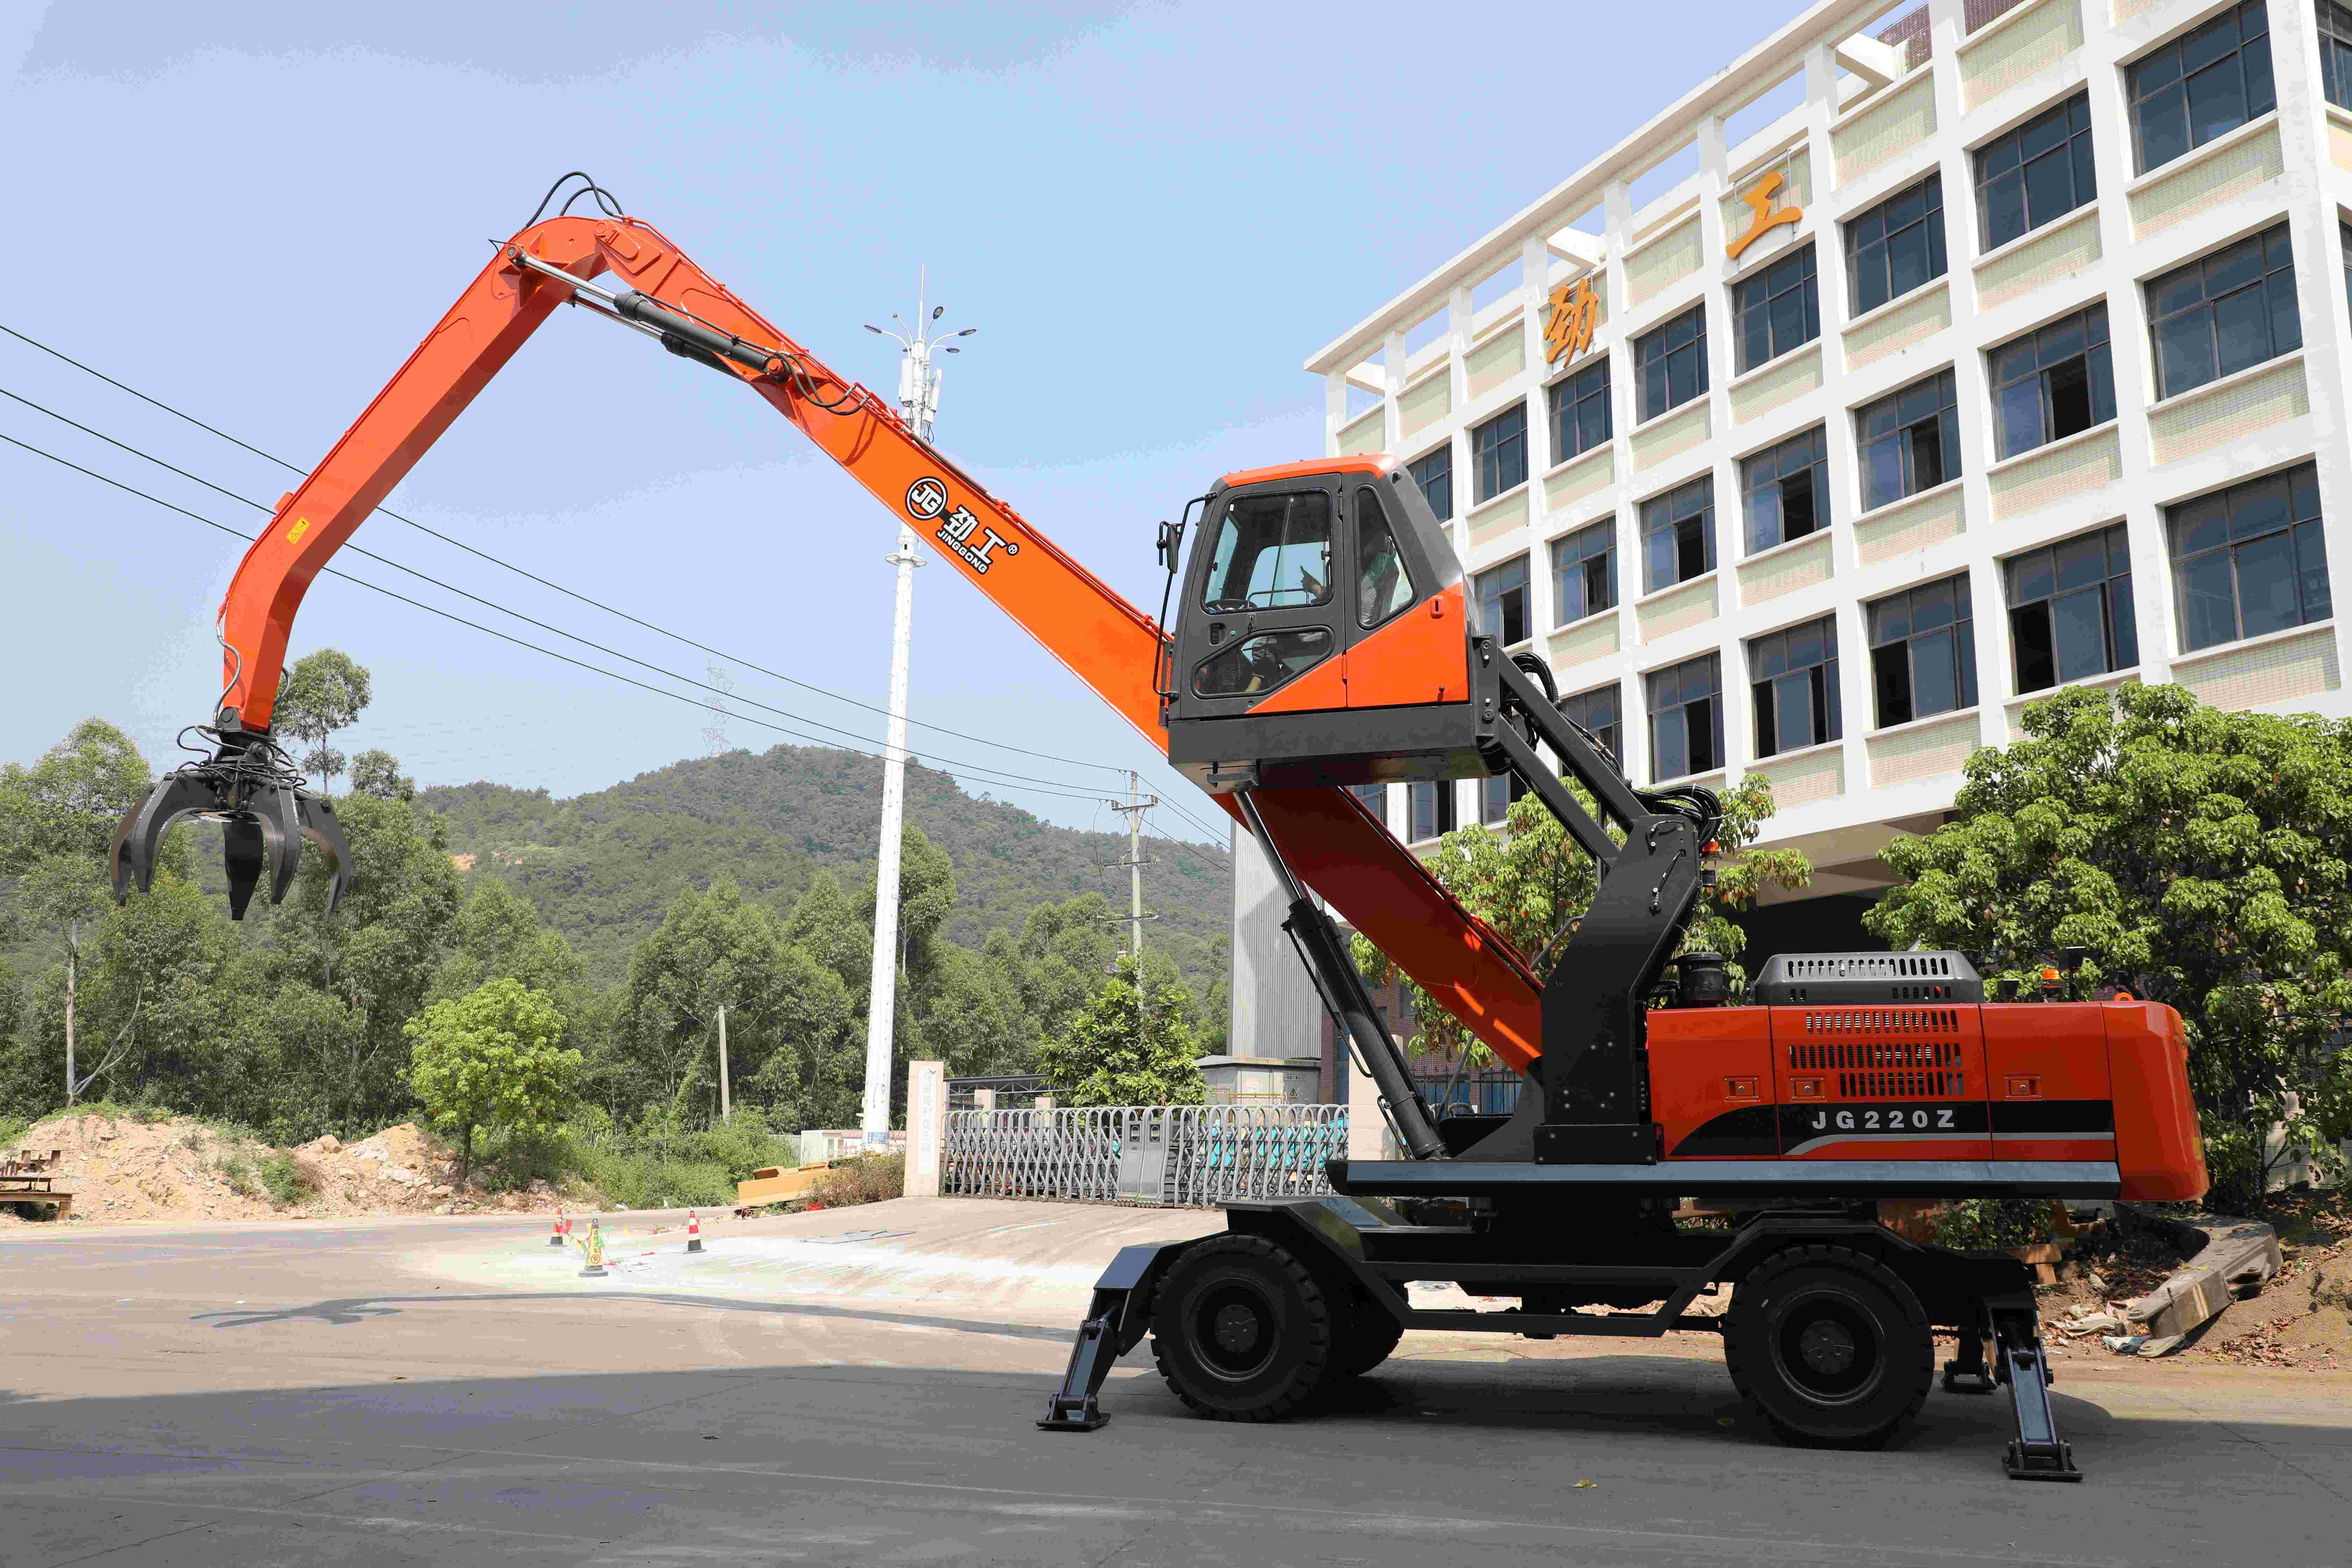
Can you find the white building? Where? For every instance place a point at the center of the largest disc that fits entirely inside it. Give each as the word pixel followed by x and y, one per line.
pixel 2043 383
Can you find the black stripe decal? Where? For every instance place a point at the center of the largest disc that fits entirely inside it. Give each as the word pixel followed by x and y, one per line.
pixel 2053 1118
pixel 1751 1129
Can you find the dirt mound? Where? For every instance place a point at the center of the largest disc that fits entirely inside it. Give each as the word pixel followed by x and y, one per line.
pixel 120 1168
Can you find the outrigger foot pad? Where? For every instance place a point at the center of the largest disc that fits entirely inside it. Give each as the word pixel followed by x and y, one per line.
pixel 1115 1323
pixel 2035 1453
pixel 249 788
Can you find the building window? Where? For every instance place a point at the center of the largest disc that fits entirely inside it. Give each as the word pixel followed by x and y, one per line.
pixel 2069 610
pixel 2335 53
pixel 1495 793
pixel 1672 363
pixel 1580 411
pixel 1584 571
pixel 1910 440
pixel 1687 718
pixel 2053 383
pixel 1787 489
pixel 2224 311
pixel 2249 560
pixel 1678 534
pixel 1502 601
pixel 1923 652
pixel 1375 798
pixel 1434 475
pixel 1896 245
pixel 1595 714
pixel 1498 454
pixel 1793 676
pixel 1432 810
pixel 2201 85
pixel 1776 309
pixel 2036 173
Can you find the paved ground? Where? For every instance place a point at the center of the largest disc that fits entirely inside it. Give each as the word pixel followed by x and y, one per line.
pixel 858 1386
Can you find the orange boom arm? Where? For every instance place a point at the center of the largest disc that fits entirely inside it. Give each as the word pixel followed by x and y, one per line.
pixel 1325 836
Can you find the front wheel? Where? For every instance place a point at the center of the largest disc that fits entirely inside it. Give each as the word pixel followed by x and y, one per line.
pixel 1240 1330
pixel 1830 1346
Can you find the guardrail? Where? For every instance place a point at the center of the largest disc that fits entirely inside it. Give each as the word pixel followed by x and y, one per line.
pixel 1183 1155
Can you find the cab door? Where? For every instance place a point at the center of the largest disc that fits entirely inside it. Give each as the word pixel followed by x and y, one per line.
pixel 1267 601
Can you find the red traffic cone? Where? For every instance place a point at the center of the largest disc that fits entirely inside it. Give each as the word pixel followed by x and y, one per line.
pixel 693 1232
pixel 555 1238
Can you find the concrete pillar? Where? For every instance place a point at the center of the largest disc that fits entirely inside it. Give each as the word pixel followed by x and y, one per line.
pixel 983 1099
pixel 927 1126
pixel 1274 1009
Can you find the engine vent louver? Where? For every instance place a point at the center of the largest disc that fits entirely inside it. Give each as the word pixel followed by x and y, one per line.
pixel 1802 978
pixel 1908 1067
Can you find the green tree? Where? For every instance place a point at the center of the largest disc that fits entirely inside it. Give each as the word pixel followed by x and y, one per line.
pixel 827 926
pixel 377 772
pixel 1532 883
pixel 58 819
pixel 491 1059
pixel 1130 1045
pixel 497 935
pixel 323 692
pixel 2201 858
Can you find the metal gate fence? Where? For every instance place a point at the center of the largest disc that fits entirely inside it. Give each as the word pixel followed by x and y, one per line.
pixel 1193 1155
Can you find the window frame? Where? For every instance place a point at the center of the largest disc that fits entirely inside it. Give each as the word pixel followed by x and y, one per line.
pixel 1524 588
pixel 1665 355
pixel 1903 437
pixel 2172 55
pixel 2118 614
pixel 2072 150
pixel 2269 245
pixel 1962 629
pixel 1680 707
pixel 1771 662
pixel 1605 532
pixel 1210 572
pixel 1577 709
pixel 1509 454
pixel 1753 484
pixel 2303 530
pixel 1930 227
pixel 1755 300
pixel 2098 372
pixel 1557 396
pixel 1421 483
pixel 1658 515
pixel 2334 52
pixel 1444 810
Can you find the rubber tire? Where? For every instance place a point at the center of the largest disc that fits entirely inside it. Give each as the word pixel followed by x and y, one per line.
pixel 1295 1317
pixel 1365 1337
pixel 1867 1297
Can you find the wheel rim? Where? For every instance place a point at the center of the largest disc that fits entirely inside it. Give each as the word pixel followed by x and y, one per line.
pixel 1828 1349
pixel 1234 1330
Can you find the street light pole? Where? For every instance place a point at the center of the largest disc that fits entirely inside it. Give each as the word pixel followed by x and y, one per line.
pixel 919 404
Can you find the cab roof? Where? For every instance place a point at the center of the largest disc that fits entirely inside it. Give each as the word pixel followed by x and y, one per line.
pixel 1363 463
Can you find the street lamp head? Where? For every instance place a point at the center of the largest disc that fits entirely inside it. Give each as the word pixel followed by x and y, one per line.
pixel 967 332
pixel 876 331
pixel 937 310
pixel 953 350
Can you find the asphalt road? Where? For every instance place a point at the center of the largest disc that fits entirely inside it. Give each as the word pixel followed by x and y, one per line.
pixel 859 1387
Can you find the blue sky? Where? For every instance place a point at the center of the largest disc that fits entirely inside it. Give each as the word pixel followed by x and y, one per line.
pixel 1153 212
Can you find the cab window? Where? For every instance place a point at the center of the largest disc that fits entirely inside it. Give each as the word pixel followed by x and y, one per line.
pixel 1273 552
pixel 1385 588
pixel 1261 663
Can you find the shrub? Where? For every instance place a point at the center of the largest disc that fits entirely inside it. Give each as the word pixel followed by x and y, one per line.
pixel 869 1178
pixel 238 1174
pixel 287 1183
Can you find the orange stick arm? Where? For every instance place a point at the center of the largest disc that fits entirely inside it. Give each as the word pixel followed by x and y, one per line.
pixel 1329 840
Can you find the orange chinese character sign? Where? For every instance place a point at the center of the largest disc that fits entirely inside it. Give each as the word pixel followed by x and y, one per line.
pixel 1575 312
pixel 1761 198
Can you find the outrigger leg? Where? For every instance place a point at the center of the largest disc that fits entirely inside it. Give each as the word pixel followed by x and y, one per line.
pixel 1116 1321
pixel 2035 1453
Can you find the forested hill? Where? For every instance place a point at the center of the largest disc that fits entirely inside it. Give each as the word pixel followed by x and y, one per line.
pixel 602 867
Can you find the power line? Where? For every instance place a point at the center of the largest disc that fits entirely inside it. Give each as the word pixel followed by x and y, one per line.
pixel 519 571
pixel 723 693
pixel 493 631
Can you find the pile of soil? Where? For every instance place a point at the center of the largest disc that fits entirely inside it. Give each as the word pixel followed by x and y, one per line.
pixel 120 1169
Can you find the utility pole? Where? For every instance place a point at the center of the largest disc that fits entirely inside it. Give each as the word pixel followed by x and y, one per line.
pixel 919 404
pixel 726 1103
pixel 1133 810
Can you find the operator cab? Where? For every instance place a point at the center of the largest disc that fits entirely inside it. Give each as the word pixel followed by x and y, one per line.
pixel 1321 634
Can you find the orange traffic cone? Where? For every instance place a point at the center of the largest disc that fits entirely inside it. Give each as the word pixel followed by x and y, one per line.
pixel 693 1232
pixel 556 1237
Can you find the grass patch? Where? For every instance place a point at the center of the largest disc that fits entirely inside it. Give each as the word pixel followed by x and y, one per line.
pixel 285 1180
pixel 867 1179
pixel 238 1175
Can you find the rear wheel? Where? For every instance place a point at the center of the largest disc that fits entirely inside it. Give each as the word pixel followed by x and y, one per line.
pixel 1240 1330
pixel 1830 1346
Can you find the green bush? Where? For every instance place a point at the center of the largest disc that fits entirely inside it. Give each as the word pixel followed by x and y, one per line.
pixel 238 1175
pixel 2000 1223
pixel 284 1180
pixel 655 1162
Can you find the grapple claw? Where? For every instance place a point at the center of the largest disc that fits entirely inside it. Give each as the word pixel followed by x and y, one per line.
pixel 141 831
pixel 264 819
pixel 325 835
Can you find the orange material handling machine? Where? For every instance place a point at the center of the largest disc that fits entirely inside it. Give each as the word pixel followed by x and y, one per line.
pixel 1321 637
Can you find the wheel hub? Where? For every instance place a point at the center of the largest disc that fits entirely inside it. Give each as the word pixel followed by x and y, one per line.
pixel 1828 1348
pixel 1237 1330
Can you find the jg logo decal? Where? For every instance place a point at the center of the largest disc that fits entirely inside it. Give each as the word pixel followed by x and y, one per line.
pixel 926 499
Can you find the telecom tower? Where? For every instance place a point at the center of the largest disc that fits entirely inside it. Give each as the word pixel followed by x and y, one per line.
pixel 919 404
